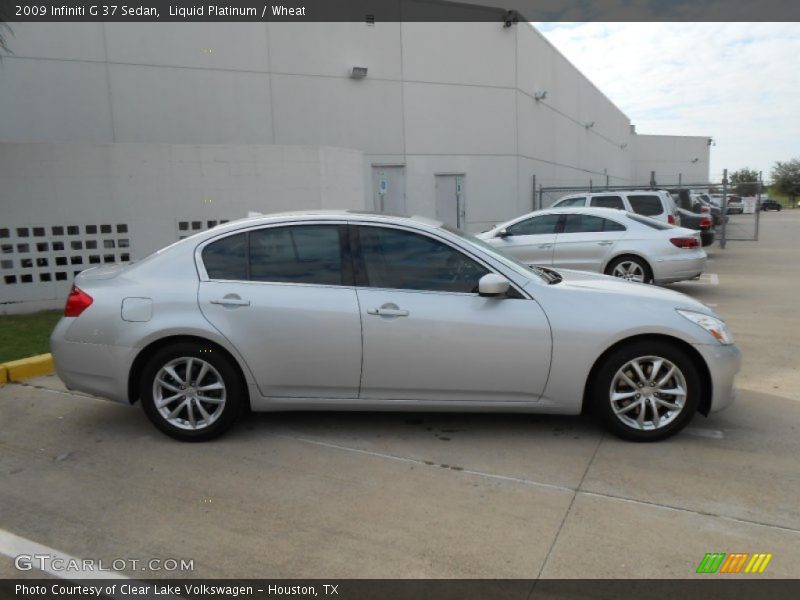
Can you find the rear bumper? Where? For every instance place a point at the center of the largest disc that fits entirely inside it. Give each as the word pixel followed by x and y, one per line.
pixel 723 364
pixel 669 269
pixel 97 369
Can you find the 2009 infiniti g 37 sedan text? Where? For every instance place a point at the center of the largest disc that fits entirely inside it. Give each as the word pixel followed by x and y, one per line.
pixel 349 311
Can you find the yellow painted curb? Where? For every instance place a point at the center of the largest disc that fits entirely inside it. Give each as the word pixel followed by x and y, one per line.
pixel 25 368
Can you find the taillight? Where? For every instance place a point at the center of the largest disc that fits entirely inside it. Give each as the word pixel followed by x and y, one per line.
pixel 77 302
pixel 685 242
pixel 671 219
pixel 705 222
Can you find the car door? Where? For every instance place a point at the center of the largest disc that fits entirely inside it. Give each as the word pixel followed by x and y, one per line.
pixel 429 336
pixel 586 241
pixel 530 240
pixel 283 296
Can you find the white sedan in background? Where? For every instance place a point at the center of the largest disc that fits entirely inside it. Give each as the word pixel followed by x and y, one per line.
pixel 603 240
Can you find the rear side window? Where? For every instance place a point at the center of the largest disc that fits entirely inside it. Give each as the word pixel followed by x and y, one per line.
pixel 535 225
pixel 590 223
pixel 571 202
pixel 299 254
pixel 646 205
pixel 608 202
pixel 227 258
pixel 403 260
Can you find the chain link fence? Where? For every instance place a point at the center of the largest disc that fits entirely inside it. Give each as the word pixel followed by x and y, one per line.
pixel 737 204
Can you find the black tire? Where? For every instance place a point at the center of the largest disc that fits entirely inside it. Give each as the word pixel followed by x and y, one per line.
pixel 233 393
pixel 648 272
pixel 600 391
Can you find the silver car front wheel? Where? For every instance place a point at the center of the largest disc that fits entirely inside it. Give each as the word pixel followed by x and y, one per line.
pixel 648 392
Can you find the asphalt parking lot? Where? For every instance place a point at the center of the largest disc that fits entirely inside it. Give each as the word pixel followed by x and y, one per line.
pixel 432 495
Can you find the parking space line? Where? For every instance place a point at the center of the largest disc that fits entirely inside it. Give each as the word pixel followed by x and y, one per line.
pixel 432 464
pixel 533 483
pixel 12 545
pixel 714 278
pixel 714 434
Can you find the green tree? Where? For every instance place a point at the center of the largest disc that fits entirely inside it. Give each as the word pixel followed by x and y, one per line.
pixel 786 178
pixel 744 182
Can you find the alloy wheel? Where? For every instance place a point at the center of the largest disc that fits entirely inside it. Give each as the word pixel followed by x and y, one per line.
pixel 630 271
pixel 189 393
pixel 648 393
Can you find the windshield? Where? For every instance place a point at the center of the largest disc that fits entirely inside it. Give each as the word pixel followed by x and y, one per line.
pixel 508 261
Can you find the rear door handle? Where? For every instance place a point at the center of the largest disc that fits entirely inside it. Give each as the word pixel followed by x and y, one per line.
pixel 388 312
pixel 231 302
pixel 545 245
pixel 604 243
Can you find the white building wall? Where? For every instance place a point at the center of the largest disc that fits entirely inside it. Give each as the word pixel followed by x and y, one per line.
pixel 674 158
pixel 146 196
pixel 439 98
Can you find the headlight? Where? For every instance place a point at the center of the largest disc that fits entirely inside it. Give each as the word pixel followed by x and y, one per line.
pixel 712 325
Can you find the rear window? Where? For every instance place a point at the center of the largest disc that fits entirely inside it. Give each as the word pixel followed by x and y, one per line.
pixel 646 205
pixel 650 222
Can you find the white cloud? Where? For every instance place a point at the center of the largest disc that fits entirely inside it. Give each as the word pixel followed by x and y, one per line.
pixel 736 82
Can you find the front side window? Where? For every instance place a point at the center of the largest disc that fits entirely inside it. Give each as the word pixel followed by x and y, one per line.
pixel 399 259
pixel 296 254
pixel 543 224
pixel 647 205
pixel 608 202
pixel 589 224
pixel 580 201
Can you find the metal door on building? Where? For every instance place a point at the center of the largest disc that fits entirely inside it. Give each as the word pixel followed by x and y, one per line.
pixel 450 200
pixel 389 189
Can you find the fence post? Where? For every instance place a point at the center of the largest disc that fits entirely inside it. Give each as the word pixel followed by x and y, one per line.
pixel 541 196
pixel 533 194
pixel 652 179
pixel 758 202
pixel 724 207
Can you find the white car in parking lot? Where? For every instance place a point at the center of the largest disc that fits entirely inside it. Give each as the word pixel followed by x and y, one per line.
pixel 603 240
pixel 352 311
pixel 656 204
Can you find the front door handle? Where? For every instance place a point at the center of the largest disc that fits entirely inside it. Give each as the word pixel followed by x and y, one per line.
pixel 545 245
pixel 388 310
pixel 231 300
pixel 604 243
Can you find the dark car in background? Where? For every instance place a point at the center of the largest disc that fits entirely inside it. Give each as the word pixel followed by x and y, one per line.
pixel 714 210
pixel 697 204
pixel 699 222
pixel 770 204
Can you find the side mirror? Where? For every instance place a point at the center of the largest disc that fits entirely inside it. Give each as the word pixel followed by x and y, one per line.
pixel 503 233
pixel 492 285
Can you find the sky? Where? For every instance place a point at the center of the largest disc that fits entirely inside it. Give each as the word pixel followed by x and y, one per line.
pixel 738 83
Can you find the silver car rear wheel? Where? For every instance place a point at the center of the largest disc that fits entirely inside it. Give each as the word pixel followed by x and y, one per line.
pixel 189 393
pixel 648 393
pixel 630 270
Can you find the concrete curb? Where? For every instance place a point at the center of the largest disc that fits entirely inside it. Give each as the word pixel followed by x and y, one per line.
pixel 25 368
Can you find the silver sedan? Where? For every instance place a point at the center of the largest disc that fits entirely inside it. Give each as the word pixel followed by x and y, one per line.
pixel 349 311
pixel 603 240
